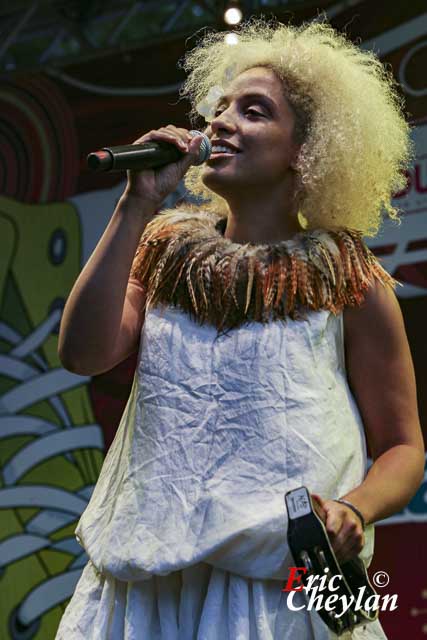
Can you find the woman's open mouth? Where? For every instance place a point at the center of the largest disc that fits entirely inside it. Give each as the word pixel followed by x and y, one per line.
pixel 220 151
pixel 220 154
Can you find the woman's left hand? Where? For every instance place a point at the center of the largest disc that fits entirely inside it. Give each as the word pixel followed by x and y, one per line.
pixel 344 529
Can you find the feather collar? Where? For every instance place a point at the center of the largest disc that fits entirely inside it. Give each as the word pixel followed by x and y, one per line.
pixel 183 260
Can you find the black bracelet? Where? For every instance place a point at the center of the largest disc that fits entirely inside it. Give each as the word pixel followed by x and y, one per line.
pixel 355 509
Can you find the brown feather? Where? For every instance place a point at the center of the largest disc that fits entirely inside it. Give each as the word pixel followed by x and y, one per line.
pixel 184 260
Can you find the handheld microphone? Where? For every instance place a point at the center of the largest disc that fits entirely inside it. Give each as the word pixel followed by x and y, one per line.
pixel 148 155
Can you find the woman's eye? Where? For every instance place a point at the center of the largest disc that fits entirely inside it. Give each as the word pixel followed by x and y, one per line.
pixel 257 113
pixel 253 111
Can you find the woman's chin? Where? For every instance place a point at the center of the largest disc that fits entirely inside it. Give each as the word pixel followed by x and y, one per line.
pixel 219 183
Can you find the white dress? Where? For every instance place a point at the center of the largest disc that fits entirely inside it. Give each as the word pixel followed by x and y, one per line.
pixel 186 527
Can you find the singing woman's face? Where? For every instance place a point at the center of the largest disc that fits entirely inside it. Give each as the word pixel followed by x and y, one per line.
pixel 255 117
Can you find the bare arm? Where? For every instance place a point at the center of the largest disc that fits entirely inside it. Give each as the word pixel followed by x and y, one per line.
pixel 103 313
pixel 382 379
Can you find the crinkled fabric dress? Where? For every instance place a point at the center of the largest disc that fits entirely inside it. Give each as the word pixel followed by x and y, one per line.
pixel 186 527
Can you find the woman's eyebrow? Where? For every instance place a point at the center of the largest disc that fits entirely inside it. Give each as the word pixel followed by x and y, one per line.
pixel 259 97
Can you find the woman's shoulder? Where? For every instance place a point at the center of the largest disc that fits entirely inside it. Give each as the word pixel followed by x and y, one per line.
pixel 180 219
pixel 171 229
pixel 379 307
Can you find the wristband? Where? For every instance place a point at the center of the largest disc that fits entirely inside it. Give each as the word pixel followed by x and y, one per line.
pixel 355 509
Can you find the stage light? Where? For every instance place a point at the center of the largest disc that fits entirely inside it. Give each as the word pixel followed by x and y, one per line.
pixel 232 13
pixel 231 38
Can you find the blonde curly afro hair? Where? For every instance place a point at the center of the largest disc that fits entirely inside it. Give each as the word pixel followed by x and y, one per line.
pixel 349 118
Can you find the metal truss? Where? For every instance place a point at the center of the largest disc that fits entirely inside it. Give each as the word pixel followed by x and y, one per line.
pixel 37 34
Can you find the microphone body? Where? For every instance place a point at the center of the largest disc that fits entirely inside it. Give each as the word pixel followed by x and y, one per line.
pixel 148 155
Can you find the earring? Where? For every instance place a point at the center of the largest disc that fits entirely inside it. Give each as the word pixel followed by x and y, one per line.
pixel 302 220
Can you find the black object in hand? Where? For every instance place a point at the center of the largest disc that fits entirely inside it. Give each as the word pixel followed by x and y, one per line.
pixel 148 155
pixel 310 548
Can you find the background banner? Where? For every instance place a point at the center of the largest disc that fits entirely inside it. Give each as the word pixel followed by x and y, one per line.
pixel 56 426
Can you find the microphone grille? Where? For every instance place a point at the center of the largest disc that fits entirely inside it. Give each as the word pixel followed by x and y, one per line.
pixel 205 149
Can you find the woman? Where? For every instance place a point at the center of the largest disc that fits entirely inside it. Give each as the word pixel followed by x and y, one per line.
pixel 270 346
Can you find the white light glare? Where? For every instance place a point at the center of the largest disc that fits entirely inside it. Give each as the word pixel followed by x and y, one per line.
pixel 233 15
pixel 231 38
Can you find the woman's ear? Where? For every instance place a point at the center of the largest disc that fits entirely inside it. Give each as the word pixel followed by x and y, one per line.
pixel 298 188
pixel 295 158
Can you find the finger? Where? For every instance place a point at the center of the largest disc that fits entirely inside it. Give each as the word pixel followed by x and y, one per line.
pixel 174 139
pixel 184 134
pixel 319 506
pixel 345 554
pixel 347 534
pixel 349 541
pixel 342 546
pixel 194 144
pixel 166 136
pixel 193 152
pixel 333 524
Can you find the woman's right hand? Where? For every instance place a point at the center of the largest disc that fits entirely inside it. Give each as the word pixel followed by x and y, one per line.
pixel 154 185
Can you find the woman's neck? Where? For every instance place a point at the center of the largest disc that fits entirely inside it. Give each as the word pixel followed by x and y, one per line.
pixel 263 219
pixel 260 226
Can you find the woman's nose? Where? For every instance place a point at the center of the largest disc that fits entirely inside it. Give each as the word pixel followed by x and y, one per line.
pixel 221 122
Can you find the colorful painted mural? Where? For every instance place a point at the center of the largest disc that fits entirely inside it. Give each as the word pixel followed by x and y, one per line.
pixel 56 426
